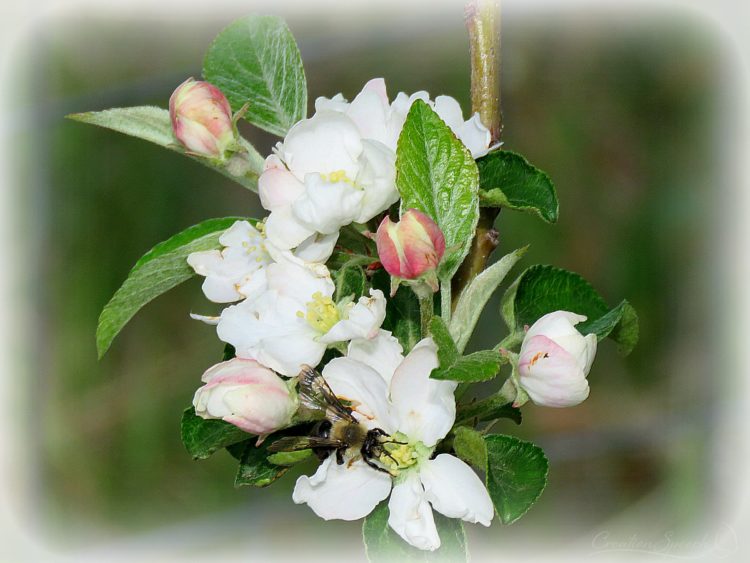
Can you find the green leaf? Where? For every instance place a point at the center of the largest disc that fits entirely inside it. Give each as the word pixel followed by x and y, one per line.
pixel 203 437
pixel 159 270
pixel 350 282
pixel 470 446
pixel 473 299
pixel 383 545
pixel 507 179
pixel 516 475
pixel 479 366
pixel 255 469
pixel 402 312
pixel 544 289
pixel 289 458
pixel 153 124
pixel 436 174
pixel 256 60
pixel 491 408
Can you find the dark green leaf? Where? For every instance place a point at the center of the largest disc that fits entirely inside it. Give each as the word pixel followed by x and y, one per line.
pixel 516 475
pixel 402 312
pixel 159 270
pixel 383 545
pixel 229 352
pixel 436 174
pixel 544 289
pixel 470 446
pixel 479 366
pixel 256 60
pixel 154 125
pixel 491 408
pixel 203 437
pixel 350 282
pixel 507 179
pixel 255 469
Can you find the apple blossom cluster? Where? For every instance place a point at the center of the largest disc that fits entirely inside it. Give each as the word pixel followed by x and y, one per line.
pixel 347 311
pixel 335 169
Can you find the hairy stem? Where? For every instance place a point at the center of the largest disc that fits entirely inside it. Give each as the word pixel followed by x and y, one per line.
pixel 426 310
pixel 483 24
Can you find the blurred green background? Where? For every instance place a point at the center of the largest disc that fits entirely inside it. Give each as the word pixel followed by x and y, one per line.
pixel 619 111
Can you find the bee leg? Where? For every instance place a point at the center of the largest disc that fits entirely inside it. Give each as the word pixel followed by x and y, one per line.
pixel 340 456
pixel 374 466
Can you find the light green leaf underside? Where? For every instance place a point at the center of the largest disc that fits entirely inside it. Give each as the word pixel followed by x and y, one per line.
pixel 255 60
pixel 159 270
pixel 436 174
pixel 152 124
pixel 475 297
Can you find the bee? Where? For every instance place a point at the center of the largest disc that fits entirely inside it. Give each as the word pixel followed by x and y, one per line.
pixel 339 432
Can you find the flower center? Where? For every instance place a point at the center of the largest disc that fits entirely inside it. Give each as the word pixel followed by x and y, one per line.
pixel 398 454
pixel 322 313
pixel 337 176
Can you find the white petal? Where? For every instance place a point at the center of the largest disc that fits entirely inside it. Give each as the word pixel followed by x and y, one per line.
pixel 411 515
pixel 363 320
pixel 325 207
pixel 208 319
pixel 284 230
pixel 317 248
pixel 383 353
pixel 327 142
pixel 449 111
pixel 455 490
pixel 426 408
pixel 364 388
pixel 556 324
pixel 337 103
pixel 342 492
pixel 277 187
pixel 475 136
pixel 369 110
pixel 377 177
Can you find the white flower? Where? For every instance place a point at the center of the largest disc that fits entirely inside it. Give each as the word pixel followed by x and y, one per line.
pixel 324 176
pixel 396 394
pixel 555 359
pixel 246 394
pixel 294 319
pixel 376 119
pixel 236 271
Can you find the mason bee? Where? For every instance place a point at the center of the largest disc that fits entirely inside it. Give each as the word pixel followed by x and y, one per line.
pixel 339 432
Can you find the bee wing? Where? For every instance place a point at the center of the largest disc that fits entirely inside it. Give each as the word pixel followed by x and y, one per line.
pixel 297 443
pixel 316 394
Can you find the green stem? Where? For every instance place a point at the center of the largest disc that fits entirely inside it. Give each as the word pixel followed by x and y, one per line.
pixel 445 302
pixel 483 25
pixel 426 311
pixel 511 341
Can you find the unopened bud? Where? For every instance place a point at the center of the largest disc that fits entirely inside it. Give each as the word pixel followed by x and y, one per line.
pixel 246 394
pixel 411 248
pixel 202 119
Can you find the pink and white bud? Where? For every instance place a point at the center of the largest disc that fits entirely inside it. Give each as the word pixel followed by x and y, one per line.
pixel 412 247
pixel 202 119
pixel 555 359
pixel 246 394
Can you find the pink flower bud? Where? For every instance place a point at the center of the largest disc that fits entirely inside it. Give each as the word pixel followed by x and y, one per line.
pixel 412 247
pixel 202 118
pixel 246 394
pixel 555 359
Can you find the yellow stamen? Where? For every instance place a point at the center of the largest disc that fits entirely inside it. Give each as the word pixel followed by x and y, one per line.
pixel 322 313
